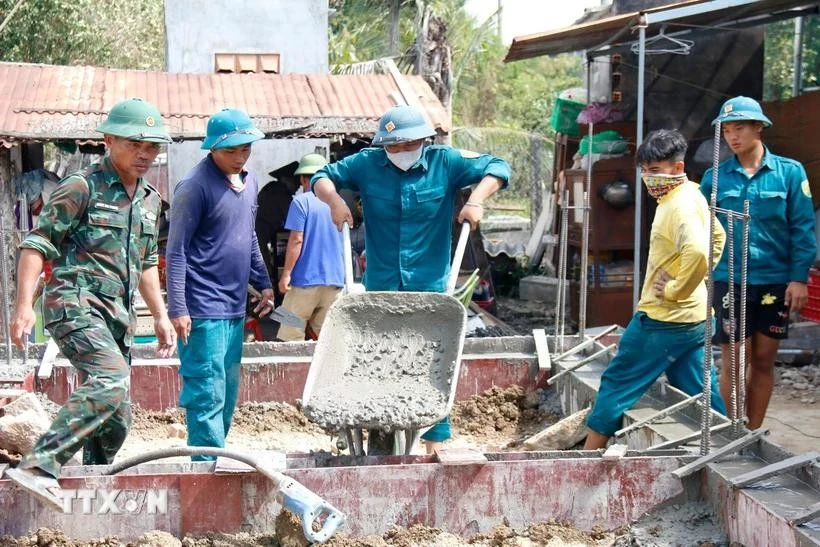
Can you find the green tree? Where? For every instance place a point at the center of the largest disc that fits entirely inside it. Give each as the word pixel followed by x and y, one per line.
pixel 779 58
pixel 85 32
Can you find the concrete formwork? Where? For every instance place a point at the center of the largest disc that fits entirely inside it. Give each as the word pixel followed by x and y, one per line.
pixel 460 495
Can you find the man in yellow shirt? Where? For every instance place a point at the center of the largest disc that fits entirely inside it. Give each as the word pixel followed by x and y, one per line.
pixel 668 331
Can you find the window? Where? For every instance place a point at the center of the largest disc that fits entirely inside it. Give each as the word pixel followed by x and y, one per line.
pixel 244 63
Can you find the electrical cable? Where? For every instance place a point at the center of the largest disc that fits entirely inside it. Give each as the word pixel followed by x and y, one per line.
pixel 793 427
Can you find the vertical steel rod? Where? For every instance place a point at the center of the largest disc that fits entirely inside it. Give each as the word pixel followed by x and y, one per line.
pixel 584 288
pixel 733 332
pixel 708 358
pixel 560 301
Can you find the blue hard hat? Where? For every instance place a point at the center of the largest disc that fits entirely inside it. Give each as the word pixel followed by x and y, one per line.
pixel 402 124
pixel 228 128
pixel 742 109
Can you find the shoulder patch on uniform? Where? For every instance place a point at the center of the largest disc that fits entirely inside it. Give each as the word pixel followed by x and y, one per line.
pixel 806 188
pixel 469 154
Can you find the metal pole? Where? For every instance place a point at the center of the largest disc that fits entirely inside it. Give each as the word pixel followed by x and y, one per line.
pixel 4 291
pixel 797 83
pixel 741 404
pixel 584 288
pixel 636 271
pixel 560 304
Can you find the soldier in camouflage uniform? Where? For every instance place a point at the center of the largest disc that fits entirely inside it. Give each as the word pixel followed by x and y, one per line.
pixel 99 229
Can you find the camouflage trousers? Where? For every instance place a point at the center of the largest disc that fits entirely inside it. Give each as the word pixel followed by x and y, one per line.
pixel 97 415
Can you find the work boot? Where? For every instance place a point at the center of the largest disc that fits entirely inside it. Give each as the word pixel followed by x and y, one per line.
pixel 39 484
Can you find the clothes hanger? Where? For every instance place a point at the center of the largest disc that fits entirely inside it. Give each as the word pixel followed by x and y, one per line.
pixel 662 43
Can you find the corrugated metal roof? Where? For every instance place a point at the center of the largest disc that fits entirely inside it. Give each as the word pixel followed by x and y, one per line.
pixel 620 29
pixel 47 102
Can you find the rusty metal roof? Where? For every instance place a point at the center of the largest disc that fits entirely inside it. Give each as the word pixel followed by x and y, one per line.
pixel 47 102
pixel 689 14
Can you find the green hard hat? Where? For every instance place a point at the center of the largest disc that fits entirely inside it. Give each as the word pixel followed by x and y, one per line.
pixel 742 109
pixel 136 120
pixel 310 163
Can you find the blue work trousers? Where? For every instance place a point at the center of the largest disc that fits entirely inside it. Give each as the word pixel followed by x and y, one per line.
pixel 209 368
pixel 647 349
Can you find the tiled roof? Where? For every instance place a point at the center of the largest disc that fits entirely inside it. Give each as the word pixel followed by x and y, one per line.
pixel 47 102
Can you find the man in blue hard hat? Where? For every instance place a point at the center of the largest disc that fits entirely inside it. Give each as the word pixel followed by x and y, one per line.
pixel 781 249
pixel 212 255
pixel 408 191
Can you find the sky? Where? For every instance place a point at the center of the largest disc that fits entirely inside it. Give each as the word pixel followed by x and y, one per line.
pixel 519 17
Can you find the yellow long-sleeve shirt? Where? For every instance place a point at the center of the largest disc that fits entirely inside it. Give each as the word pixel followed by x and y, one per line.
pixel 678 244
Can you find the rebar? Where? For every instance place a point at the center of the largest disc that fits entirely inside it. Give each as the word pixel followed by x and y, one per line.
pixel 4 292
pixel 729 299
pixel 744 270
pixel 708 359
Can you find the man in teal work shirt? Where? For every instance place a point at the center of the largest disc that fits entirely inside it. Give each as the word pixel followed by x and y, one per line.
pixel 781 249
pixel 408 192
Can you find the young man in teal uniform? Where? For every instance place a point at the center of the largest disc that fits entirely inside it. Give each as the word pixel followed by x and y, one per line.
pixel 781 248
pixel 408 192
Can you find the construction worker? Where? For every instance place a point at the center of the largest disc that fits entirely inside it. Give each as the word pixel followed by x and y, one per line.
pixel 667 332
pixel 781 249
pixel 212 255
pixel 407 190
pixel 99 230
pixel 313 275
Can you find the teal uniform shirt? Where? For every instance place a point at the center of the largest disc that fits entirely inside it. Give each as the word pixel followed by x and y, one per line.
pixel 782 244
pixel 409 214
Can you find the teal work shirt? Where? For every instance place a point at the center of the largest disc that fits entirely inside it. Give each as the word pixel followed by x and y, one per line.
pixel 409 214
pixel 782 244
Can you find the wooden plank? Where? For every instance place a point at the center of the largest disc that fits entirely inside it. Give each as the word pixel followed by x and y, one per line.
pixel 778 468
pixel 542 349
pixel 534 248
pixel 730 448
pixel 47 362
pixel 808 515
pixel 615 452
pixel 460 456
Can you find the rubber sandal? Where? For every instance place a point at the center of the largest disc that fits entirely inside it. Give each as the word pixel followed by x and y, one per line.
pixel 43 487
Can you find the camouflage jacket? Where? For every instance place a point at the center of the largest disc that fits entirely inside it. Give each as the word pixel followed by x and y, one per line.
pixel 99 241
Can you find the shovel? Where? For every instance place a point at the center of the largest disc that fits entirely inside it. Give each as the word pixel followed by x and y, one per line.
pixel 281 314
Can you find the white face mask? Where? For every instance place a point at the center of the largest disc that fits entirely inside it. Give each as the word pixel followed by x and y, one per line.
pixel 405 160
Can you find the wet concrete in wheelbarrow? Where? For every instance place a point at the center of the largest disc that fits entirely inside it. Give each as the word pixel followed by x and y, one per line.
pixel 386 361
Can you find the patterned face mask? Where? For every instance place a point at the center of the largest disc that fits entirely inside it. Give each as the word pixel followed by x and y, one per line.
pixel 658 185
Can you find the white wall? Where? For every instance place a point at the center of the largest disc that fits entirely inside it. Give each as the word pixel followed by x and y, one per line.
pixel 197 29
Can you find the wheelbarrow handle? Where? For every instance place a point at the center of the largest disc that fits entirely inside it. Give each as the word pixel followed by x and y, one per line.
pixel 348 256
pixel 310 508
pixel 455 267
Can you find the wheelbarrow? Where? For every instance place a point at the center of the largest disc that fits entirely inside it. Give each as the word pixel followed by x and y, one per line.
pixel 387 361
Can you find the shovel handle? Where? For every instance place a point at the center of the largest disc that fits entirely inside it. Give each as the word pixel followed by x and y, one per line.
pixel 348 256
pixel 310 508
pixel 455 267
pixel 258 295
